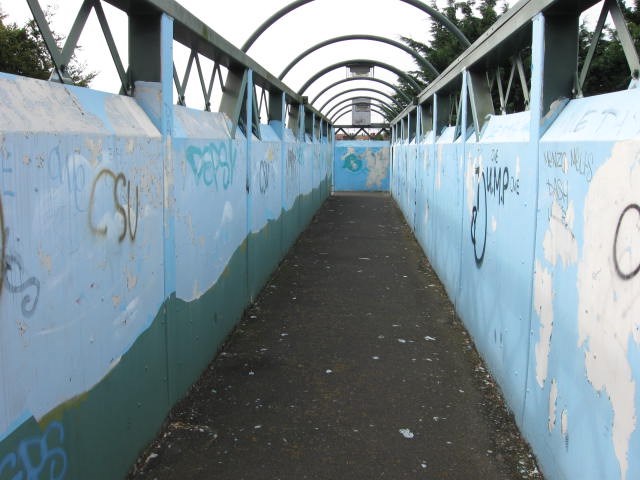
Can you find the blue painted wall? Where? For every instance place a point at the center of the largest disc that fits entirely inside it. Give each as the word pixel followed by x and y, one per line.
pixel 135 232
pixel 361 165
pixel 536 242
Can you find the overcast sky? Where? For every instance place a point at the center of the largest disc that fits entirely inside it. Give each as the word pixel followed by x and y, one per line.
pixel 235 20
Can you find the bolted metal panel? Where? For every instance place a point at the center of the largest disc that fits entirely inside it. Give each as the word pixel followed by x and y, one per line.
pixel 443 104
pixel 480 100
pixel 413 122
pixel 560 64
pixel 276 103
pixel 144 47
pixel 308 122
pixel 233 97
pixel 426 117
pixel 294 119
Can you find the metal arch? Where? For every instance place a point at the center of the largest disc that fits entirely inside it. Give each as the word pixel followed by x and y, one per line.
pixel 341 103
pixel 367 79
pixel 374 38
pixel 374 90
pixel 360 62
pixel 355 126
pixel 432 12
pixel 343 112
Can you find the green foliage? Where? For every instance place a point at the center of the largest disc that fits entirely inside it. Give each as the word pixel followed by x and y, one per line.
pixel 609 70
pixel 472 17
pixel 23 52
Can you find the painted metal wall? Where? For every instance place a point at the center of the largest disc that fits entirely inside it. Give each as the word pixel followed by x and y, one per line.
pixel 134 234
pixel 537 244
pixel 361 165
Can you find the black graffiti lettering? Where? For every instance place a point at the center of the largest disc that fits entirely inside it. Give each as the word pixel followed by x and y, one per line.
pixel 125 214
pixel 13 268
pixel 629 273
pixel 558 190
pixel 264 175
pixel 132 231
pixel 479 245
pixel 120 208
pixel 555 159
pixel 497 182
pixel 582 163
pixel 514 185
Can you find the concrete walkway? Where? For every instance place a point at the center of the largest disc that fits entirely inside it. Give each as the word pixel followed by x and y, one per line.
pixel 351 365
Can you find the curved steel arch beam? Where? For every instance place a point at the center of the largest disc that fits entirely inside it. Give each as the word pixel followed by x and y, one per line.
pixel 342 113
pixel 374 90
pixel 342 103
pixel 364 79
pixel 432 12
pixel 383 106
pixel 374 38
pixel 361 62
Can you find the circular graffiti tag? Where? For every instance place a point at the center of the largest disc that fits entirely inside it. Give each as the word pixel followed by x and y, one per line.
pixel 626 273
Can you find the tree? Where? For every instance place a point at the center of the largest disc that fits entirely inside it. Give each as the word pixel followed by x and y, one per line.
pixel 444 47
pixel 609 70
pixel 23 52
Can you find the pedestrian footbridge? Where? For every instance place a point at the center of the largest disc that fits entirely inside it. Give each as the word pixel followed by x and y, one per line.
pixel 137 231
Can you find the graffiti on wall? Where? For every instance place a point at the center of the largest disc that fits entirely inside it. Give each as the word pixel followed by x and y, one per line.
pixel 266 173
pixel 38 458
pixel 12 277
pixel 560 163
pixel 629 218
pixel 14 283
pixel 479 239
pixel 69 172
pixel 123 210
pixel 493 181
pixel 293 170
pixel 372 162
pixel 213 165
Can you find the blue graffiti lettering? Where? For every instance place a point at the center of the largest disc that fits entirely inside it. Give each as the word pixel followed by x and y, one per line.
pixel 37 458
pixel 69 172
pixel 207 163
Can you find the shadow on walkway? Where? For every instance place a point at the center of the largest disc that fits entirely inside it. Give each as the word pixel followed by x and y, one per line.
pixel 350 365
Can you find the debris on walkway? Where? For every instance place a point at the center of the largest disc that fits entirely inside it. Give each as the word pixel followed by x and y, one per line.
pixel 366 374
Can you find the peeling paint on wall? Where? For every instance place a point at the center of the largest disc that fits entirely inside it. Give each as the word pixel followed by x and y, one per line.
pixel 361 165
pixel 543 301
pixel 553 404
pixel 545 272
pixel 91 305
pixel 559 240
pixel 608 308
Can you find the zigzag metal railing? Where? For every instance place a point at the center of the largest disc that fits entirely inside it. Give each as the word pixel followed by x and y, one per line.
pixel 610 7
pixel 201 41
pixel 61 58
pixel 478 72
pixel 370 132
